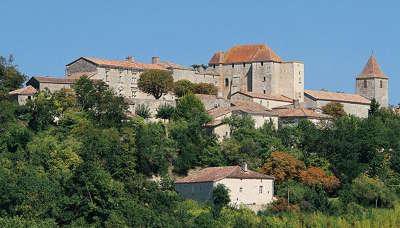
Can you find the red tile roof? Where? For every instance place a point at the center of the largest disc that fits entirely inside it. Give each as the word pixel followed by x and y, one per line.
pixel 54 80
pixel 249 107
pixel 217 112
pixel 245 54
pixel 213 174
pixel 266 96
pixel 125 64
pixel 372 69
pixel 29 90
pixel 338 97
pixel 299 112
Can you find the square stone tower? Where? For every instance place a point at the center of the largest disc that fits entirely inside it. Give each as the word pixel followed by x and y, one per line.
pixel 373 83
pixel 256 68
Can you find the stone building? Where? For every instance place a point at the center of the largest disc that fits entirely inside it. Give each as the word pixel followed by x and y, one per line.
pixel 51 83
pixel 353 104
pixel 259 114
pixel 256 68
pixel 23 95
pixel 373 83
pixel 266 100
pixel 246 187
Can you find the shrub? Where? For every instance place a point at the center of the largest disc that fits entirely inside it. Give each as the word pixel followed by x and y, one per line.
pixel 143 111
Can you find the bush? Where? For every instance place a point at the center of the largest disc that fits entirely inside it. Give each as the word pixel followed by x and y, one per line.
pixel 143 111
pixel 183 87
pixel 206 88
pixel 165 111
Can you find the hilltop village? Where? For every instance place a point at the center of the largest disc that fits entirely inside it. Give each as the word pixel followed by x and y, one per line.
pixel 238 142
pixel 250 79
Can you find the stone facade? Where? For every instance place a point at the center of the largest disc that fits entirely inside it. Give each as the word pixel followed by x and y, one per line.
pixel 374 88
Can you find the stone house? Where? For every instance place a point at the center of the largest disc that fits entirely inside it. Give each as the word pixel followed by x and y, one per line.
pixel 23 95
pixel 257 112
pixel 51 83
pixel 213 101
pixel 353 104
pixel 267 100
pixel 256 68
pixel 246 187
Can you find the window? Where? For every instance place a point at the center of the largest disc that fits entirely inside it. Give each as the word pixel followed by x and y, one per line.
pixel 241 189
pixel 260 189
pixel 214 66
pixel 381 83
pixel 244 64
pixel 264 79
pixel 233 65
pixel 107 70
pixel 365 84
pixel 29 97
pixel 262 63
pixel 226 82
pixel 264 91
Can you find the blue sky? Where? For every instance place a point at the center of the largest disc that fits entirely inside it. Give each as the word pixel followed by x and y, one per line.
pixel 333 38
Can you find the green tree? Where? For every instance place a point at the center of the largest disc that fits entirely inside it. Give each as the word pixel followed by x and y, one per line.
pixel 183 87
pixel 165 111
pixel 220 197
pixel 334 109
pixel 374 107
pixel 143 111
pixel 10 77
pixel 100 102
pixel 205 88
pixel 156 82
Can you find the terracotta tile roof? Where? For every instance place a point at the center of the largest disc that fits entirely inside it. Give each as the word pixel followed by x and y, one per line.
pixel 245 54
pixel 266 96
pixel 372 69
pixel 54 80
pixel 338 97
pixel 249 107
pixel 29 90
pixel 217 58
pixel 125 64
pixel 217 112
pixel 299 112
pixel 170 65
pixel 213 174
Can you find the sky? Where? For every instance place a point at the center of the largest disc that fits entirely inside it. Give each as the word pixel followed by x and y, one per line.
pixel 334 39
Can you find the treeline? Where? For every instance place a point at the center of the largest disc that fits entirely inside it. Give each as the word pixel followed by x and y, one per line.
pixel 74 158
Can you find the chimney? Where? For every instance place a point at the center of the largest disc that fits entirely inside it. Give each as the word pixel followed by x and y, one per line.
pixel 296 103
pixel 155 60
pixel 129 58
pixel 244 166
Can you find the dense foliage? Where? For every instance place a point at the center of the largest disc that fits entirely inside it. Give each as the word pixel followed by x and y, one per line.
pixel 184 87
pixel 75 159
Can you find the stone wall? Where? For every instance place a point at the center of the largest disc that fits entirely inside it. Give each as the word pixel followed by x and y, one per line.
pixel 372 89
pixel 197 191
pixel 359 110
pixel 81 65
pixel 249 192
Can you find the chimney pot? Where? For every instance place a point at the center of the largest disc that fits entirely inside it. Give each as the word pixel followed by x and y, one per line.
pixel 155 60
pixel 129 58
pixel 244 166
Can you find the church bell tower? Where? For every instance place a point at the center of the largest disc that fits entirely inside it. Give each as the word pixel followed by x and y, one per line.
pixel 373 83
